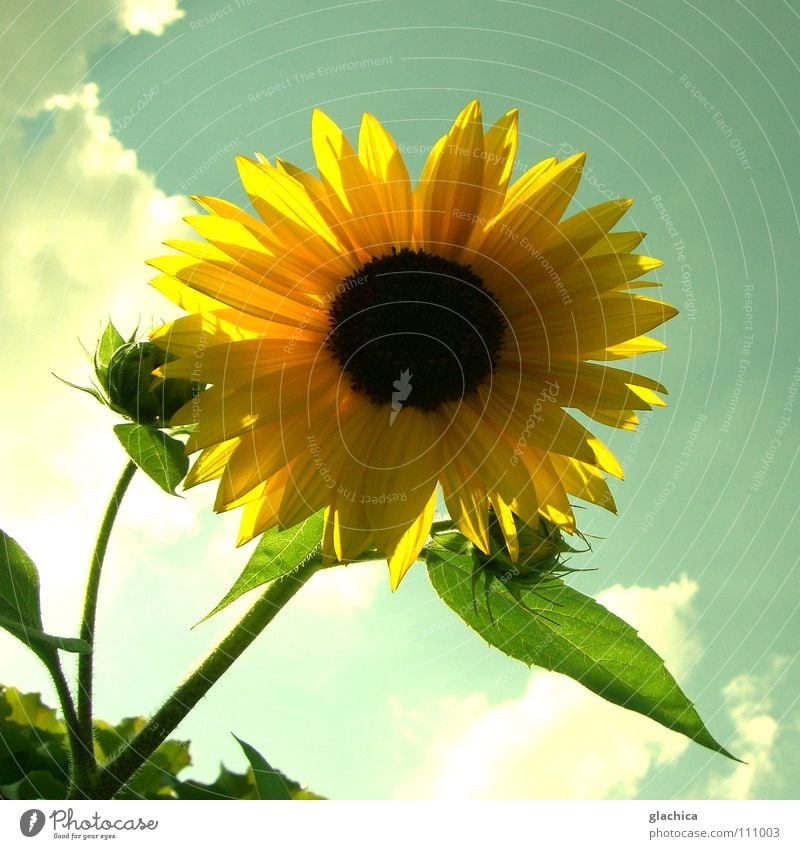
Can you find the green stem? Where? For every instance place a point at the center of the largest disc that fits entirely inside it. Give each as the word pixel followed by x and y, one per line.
pixel 113 777
pixel 79 763
pixel 86 766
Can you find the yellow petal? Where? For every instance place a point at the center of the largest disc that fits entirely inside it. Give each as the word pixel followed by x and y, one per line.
pixel 500 147
pixel 261 513
pixel 354 197
pixel 401 476
pixel 192 334
pixel 238 404
pixel 567 241
pixel 599 274
pixel 404 551
pixel 532 205
pixel 622 419
pixel 467 503
pixel 630 348
pixel 480 444
pixel 282 202
pixel 648 396
pixel 534 423
pixel 449 194
pixel 210 463
pixel 237 287
pixel 258 456
pixel 583 481
pixel 616 243
pixel 505 518
pixel 329 438
pixel 585 386
pixel 380 156
pixel 587 326
pixel 184 296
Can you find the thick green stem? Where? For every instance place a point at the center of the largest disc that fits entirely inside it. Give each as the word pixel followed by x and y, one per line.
pixel 85 768
pixel 114 776
pixel 80 764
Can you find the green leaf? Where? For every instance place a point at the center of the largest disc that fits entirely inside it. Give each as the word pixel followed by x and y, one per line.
pixel 227 785
pixel 28 709
pixel 157 778
pixel 28 634
pixel 108 343
pixel 109 739
pixel 159 456
pixel 34 758
pixel 235 785
pixel 277 554
pixel 556 627
pixel 32 742
pixel 270 783
pixel 19 589
pixel 37 784
pixel 453 542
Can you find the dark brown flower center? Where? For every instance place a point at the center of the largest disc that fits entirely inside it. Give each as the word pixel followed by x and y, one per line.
pixel 416 325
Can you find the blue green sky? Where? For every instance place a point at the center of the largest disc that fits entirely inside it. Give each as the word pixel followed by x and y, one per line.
pixel 111 113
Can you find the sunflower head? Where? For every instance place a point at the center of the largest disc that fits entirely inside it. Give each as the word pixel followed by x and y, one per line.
pixel 373 346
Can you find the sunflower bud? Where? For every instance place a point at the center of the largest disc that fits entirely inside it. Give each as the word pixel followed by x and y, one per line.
pixel 133 391
pixel 541 547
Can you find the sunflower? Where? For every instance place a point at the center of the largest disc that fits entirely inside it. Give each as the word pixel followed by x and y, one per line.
pixel 368 342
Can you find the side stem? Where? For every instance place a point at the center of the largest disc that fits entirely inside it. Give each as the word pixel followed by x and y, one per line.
pixel 86 661
pixel 115 774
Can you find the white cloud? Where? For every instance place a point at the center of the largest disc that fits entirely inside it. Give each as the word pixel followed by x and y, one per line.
pixel 77 228
pixel 47 45
pixel 750 710
pixel 79 220
pixel 557 740
pixel 150 15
